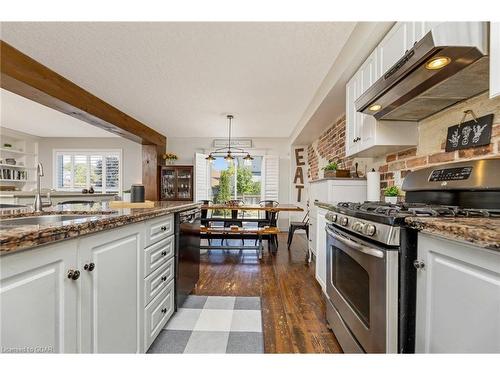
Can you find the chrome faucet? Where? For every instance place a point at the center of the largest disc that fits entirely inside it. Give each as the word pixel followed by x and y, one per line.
pixel 38 205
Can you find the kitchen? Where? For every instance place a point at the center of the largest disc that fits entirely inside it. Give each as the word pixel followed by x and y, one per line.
pixel 362 219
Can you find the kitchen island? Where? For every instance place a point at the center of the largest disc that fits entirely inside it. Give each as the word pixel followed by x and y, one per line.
pixel 77 285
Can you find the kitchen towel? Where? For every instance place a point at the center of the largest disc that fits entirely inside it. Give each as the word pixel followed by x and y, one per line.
pixel 373 186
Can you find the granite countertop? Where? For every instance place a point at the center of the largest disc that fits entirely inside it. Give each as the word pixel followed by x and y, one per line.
pixel 101 217
pixel 483 232
pixel 326 206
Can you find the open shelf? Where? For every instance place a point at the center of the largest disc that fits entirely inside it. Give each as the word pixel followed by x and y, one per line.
pixel 15 166
pixel 18 181
pixel 15 152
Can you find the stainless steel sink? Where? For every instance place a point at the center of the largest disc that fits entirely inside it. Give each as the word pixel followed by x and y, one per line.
pixel 42 219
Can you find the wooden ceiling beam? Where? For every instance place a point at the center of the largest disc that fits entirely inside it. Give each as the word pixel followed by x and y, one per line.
pixel 25 76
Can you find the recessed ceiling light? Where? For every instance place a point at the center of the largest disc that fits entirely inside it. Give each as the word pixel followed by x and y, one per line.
pixel 437 62
pixel 375 107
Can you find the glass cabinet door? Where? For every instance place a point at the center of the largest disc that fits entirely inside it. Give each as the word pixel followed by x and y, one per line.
pixel 184 183
pixel 168 189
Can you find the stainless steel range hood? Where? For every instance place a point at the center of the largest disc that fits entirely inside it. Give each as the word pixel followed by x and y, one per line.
pixel 411 91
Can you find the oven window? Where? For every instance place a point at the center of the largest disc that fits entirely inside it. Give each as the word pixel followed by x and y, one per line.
pixel 353 282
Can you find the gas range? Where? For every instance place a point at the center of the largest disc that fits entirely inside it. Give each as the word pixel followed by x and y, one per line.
pixel 381 221
pixel 370 253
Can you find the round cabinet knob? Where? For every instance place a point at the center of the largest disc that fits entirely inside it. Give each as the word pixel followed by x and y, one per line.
pixel 164 278
pixel 73 274
pixel 89 267
pixel 164 310
pixel 370 229
pixel 418 264
pixel 163 253
pixel 163 228
pixel 344 221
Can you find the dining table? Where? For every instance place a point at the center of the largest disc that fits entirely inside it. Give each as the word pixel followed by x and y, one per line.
pixel 269 222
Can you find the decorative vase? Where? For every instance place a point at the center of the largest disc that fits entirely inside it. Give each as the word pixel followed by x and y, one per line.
pixel 392 200
pixel 169 161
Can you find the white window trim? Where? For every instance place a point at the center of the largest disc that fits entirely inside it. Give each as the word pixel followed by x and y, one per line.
pixel 87 151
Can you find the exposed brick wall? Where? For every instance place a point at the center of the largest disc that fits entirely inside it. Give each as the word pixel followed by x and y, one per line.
pixel 406 161
pixel 330 146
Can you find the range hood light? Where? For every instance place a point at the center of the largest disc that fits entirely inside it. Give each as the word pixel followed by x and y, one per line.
pixel 375 107
pixel 437 62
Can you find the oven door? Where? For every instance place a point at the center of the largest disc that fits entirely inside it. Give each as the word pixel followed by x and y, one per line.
pixel 362 281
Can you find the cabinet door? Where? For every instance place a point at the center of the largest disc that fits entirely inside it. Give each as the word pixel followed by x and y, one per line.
pixel 38 301
pixel 494 59
pixel 184 183
pixel 111 303
pixel 393 47
pixel 366 124
pixel 321 249
pixel 351 116
pixel 458 298
pixel 168 187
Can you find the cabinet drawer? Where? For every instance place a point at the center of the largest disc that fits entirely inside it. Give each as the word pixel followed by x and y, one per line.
pixel 158 312
pixel 158 229
pixel 155 282
pixel 158 254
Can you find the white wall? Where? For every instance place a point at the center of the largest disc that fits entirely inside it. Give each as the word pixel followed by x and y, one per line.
pixel 185 148
pixel 131 151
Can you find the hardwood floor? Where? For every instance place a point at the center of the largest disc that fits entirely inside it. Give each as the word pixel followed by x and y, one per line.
pixel 292 304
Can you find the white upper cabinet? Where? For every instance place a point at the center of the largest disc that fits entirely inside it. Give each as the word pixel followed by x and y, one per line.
pixel 494 59
pixel 397 41
pixel 351 116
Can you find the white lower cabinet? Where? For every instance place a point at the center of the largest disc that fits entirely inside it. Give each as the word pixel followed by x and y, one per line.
pixel 111 300
pixel 458 297
pixel 112 303
pixel 38 302
pixel 321 248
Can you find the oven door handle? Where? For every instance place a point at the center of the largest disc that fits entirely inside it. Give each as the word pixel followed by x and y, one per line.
pixel 356 246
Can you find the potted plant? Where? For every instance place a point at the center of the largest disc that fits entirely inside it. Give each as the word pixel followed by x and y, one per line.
pixel 330 169
pixel 170 157
pixel 391 194
pixel 334 169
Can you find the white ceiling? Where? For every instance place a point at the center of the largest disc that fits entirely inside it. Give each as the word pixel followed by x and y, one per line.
pixel 26 116
pixel 181 78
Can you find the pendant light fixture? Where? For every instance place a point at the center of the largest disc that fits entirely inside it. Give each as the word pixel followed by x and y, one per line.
pixel 230 151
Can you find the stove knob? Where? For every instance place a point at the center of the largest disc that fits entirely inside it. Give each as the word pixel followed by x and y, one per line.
pixel 359 227
pixel 333 217
pixel 370 229
pixel 344 221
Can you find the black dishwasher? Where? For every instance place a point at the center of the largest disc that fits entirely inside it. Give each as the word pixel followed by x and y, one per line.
pixel 187 253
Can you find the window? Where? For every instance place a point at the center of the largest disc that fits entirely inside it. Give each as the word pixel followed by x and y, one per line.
pixel 79 169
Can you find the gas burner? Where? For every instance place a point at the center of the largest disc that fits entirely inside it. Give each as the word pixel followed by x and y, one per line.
pixel 471 212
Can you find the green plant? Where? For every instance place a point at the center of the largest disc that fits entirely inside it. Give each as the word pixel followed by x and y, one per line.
pixel 332 166
pixel 392 191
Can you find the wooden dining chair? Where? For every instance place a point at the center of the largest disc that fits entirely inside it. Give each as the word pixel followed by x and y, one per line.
pixel 295 225
pixel 271 218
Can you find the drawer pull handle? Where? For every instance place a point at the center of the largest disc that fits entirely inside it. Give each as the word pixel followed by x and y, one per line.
pixel 163 228
pixel 164 278
pixel 164 310
pixel 164 253
pixel 89 267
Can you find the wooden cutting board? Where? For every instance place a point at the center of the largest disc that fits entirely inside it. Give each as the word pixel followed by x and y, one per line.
pixel 122 204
